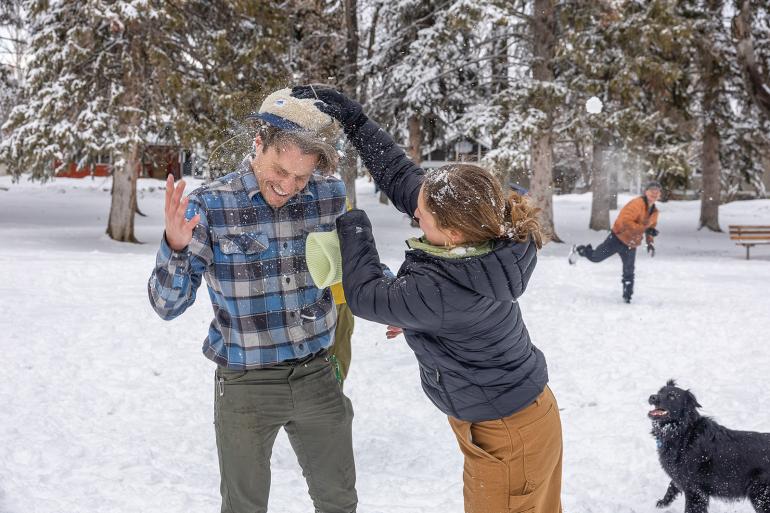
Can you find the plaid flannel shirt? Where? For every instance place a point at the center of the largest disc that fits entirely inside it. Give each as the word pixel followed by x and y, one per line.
pixel 266 307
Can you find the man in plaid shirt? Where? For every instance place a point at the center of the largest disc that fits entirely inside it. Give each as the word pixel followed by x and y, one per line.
pixel 245 235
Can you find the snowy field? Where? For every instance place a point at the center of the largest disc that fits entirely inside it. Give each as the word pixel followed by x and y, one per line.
pixel 107 408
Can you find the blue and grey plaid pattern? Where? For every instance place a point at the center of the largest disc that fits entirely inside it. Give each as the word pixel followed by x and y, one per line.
pixel 266 307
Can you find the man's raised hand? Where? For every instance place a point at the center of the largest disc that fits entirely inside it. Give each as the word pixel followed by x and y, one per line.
pixel 178 228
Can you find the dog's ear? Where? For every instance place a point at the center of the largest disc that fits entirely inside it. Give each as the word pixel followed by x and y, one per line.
pixel 690 398
pixel 671 383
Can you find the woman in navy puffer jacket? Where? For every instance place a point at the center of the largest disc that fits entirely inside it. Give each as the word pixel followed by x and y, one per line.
pixel 455 297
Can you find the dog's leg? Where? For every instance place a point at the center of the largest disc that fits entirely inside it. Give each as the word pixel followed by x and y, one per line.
pixel 671 494
pixel 695 502
pixel 759 495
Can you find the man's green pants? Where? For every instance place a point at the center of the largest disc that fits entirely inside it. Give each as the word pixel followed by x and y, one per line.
pixel 305 399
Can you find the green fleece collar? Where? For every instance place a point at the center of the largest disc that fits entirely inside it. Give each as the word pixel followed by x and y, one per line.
pixel 445 252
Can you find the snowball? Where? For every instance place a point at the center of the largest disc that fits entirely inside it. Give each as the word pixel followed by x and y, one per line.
pixel 594 105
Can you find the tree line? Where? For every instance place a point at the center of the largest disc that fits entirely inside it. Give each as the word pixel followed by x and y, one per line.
pixel 683 85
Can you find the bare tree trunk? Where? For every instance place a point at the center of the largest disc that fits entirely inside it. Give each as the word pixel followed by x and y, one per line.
pixel 543 27
pixel 415 139
pixel 349 173
pixel 600 186
pixel 371 38
pixel 541 184
pixel 415 142
pixel 348 167
pixel 120 226
pixel 612 173
pixel 585 171
pixel 710 195
pixel 499 67
pixel 756 83
pixel 710 165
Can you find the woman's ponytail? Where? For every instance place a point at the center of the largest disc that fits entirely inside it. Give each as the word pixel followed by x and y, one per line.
pixel 522 222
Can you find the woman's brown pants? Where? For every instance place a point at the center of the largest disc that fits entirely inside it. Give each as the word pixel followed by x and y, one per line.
pixel 513 465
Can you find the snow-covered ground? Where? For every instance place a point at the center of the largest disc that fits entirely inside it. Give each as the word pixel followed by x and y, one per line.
pixel 107 408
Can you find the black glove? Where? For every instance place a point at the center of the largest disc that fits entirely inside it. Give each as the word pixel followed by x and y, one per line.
pixel 332 102
pixel 354 220
pixel 651 249
pixel 651 232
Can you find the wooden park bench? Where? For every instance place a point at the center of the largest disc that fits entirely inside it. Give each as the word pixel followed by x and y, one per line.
pixel 748 235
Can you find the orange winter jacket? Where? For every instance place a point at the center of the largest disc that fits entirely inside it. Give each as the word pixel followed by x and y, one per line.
pixel 633 220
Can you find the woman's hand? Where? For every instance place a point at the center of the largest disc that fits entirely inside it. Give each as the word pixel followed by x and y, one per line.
pixel 393 332
pixel 332 102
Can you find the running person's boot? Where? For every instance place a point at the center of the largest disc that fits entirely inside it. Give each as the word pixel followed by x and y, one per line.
pixel 628 291
pixel 573 255
pixel 575 252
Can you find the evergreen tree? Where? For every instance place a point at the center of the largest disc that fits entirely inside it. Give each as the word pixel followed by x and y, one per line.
pixel 751 33
pixel 630 55
pixel 13 44
pixel 9 92
pixel 424 71
pixel 223 58
pixel 714 68
pixel 751 28
pixel 106 75
pixel 324 49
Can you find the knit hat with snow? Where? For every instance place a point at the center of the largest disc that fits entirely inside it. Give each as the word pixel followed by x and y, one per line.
pixel 654 184
pixel 324 259
pixel 286 112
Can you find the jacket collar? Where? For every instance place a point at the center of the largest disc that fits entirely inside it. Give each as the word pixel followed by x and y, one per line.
pixel 648 208
pixel 501 274
pixel 468 250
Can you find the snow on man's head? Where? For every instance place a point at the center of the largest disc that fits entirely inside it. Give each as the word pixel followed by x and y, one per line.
pixel 286 112
pixel 594 105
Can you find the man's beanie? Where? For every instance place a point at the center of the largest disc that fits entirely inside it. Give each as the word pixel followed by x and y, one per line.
pixel 286 112
pixel 652 185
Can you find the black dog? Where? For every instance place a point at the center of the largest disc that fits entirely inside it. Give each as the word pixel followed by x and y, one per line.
pixel 704 459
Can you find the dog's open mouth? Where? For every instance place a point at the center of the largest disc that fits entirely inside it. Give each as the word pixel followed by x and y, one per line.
pixel 658 413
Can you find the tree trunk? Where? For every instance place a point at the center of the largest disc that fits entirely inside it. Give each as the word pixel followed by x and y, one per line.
pixel 348 164
pixel 370 51
pixel 757 86
pixel 351 45
pixel 585 171
pixel 415 139
pixel 415 144
pixel 600 186
pixel 120 226
pixel 612 173
pixel 710 195
pixel 541 184
pixel 499 67
pixel 711 82
pixel 543 26
pixel 349 173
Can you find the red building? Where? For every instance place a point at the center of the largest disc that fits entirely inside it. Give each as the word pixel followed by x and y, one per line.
pixel 157 162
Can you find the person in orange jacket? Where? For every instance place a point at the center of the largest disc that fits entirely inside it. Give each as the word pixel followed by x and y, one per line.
pixel 636 221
